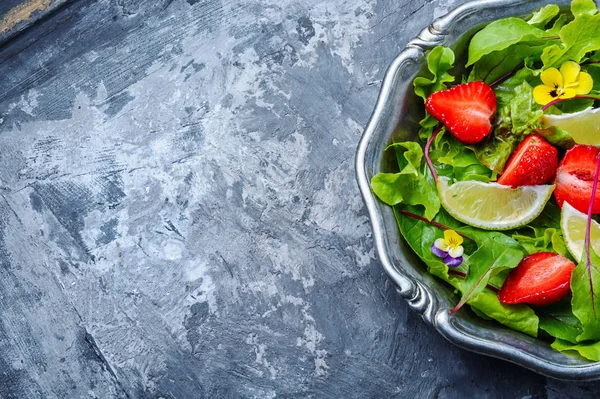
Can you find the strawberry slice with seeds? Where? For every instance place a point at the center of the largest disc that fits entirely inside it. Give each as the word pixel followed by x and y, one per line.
pixel 539 279
pixel 466 110
pixel 533 162
pixel 575 177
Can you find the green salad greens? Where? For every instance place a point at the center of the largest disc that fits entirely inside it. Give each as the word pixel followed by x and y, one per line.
pixel 510 55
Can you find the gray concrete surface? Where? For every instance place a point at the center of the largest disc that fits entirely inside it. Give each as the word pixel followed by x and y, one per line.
pixel 179 216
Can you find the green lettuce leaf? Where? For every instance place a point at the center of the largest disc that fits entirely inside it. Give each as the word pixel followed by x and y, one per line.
pixel 499 35
pixel 439 61
pixel 590 351
pixel 517 116
pixel 410 185
pixel 457 161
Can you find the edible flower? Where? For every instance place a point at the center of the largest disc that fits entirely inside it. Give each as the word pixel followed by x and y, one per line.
pixel 449 248
pixel 566 83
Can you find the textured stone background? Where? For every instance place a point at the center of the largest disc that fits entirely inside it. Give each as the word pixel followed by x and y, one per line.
pixel 179 216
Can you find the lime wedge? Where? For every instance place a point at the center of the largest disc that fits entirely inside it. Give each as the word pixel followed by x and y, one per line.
pixel 492 206
pixel 572 224
pixel 583 126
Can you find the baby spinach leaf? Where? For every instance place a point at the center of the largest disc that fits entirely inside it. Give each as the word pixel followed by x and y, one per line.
pixel 499 63
pixel 410 185
pixel 589 350
pixel 585 286
pixel 559 321
pixel 518 317
pixel 499 35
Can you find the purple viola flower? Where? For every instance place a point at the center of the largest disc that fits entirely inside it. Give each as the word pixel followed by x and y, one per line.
pixel 449 248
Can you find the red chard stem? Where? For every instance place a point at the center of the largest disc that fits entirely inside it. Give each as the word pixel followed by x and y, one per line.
pixel 427 147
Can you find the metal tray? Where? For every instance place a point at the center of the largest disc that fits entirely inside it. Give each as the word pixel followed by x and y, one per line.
pixel 396 115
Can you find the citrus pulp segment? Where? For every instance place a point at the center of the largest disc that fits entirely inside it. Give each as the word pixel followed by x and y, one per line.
pixel 583 126
pixel 573 224
pixel 492 206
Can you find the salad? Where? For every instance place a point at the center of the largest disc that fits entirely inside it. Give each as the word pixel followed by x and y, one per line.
pixel 499 195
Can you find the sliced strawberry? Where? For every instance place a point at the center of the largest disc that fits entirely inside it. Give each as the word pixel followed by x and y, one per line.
pixel 540 279
pixel 466 110
pixel 575 177
pixel 533 162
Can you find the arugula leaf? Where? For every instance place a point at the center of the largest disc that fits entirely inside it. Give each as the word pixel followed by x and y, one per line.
pixel 544 15
pixel 580 7
pixel 559 321
pixel 409 186
pixel 517 116
pixel 557 25
pixel 499 35
pixel 542 240
pixel 579 37
pixel 585 286
pixel 494 150
pixel 456 160
pixel 590 351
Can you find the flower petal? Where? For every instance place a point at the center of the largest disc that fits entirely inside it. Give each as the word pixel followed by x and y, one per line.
pixel 440 243
pixel 456 252
pixel 453 262
pixel 543 94
pixel 552 78
pixel 569 92
pixel 585 83
pixel 569 71
pixel 438 252
pixel 452 238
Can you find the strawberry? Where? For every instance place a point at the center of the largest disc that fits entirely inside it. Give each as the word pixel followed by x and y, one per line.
pixel 533 162
pixel 466 110
pixel 575 177
pixel 539 279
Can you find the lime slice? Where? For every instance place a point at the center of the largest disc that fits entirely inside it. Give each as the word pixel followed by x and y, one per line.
pixel 492 206
pixel 583 126
pixel 572 224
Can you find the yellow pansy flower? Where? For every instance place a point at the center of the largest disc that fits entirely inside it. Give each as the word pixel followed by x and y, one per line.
pixel 566 83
